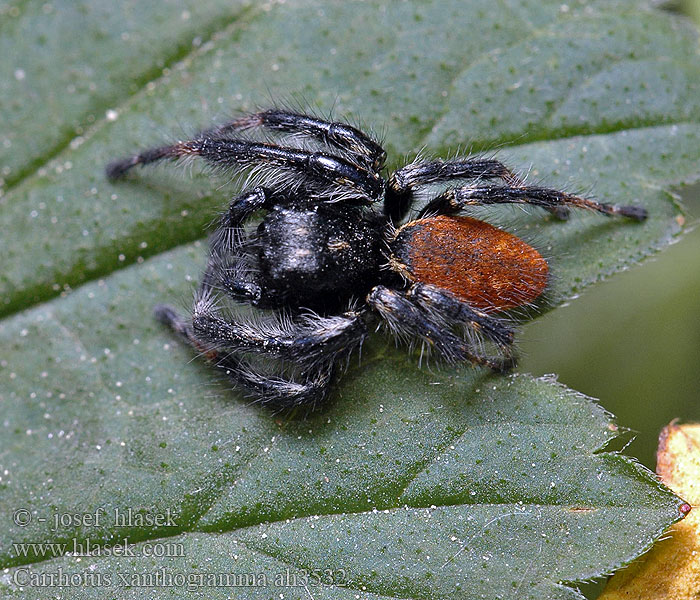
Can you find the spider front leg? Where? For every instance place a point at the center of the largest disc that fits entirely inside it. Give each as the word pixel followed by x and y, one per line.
pixel 455 200
pixel 342 136
pixel 234 153
pixel 414 315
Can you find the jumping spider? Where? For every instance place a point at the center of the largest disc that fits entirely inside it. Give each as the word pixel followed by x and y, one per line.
pixel 325 262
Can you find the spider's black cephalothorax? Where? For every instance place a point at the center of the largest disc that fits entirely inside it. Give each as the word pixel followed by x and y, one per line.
pixel 324 261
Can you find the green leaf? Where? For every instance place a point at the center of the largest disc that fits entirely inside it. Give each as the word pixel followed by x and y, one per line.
pixel 412 483
pixel 100 53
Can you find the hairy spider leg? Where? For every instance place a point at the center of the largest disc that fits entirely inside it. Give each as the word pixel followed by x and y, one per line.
pixel 231 274
pixel 340 135
pixel 408 320
pixel 232 153
pixel 402 183
pixel 444 306
pixel 302 340
pixel 227 268
pixel 229 234
pixel 268 390
pixel 277 392
pixel 454 200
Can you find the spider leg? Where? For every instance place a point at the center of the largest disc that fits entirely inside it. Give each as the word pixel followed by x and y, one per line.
pixel 339 135
pixel 408 318
pixel 243 206
pixel 403 182
pixel 437 171
pixel 445 307
pixel 230 273
pixel 277 392
pixel 229 234
pixel 304 340
pixel 454 200
pixel 241 154
pixel 228 268
pixel 268 390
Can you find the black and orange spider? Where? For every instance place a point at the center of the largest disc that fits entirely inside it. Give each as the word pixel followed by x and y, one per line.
pixel 324 261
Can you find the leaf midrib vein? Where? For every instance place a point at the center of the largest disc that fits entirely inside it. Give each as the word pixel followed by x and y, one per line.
pixel 234 530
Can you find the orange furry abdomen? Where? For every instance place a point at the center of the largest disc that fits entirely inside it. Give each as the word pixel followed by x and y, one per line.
pixel 488 268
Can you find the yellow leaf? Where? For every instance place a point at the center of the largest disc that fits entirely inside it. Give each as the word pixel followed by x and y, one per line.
pixel 671 570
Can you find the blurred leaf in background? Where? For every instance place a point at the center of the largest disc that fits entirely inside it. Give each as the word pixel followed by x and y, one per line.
pixel 641 356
